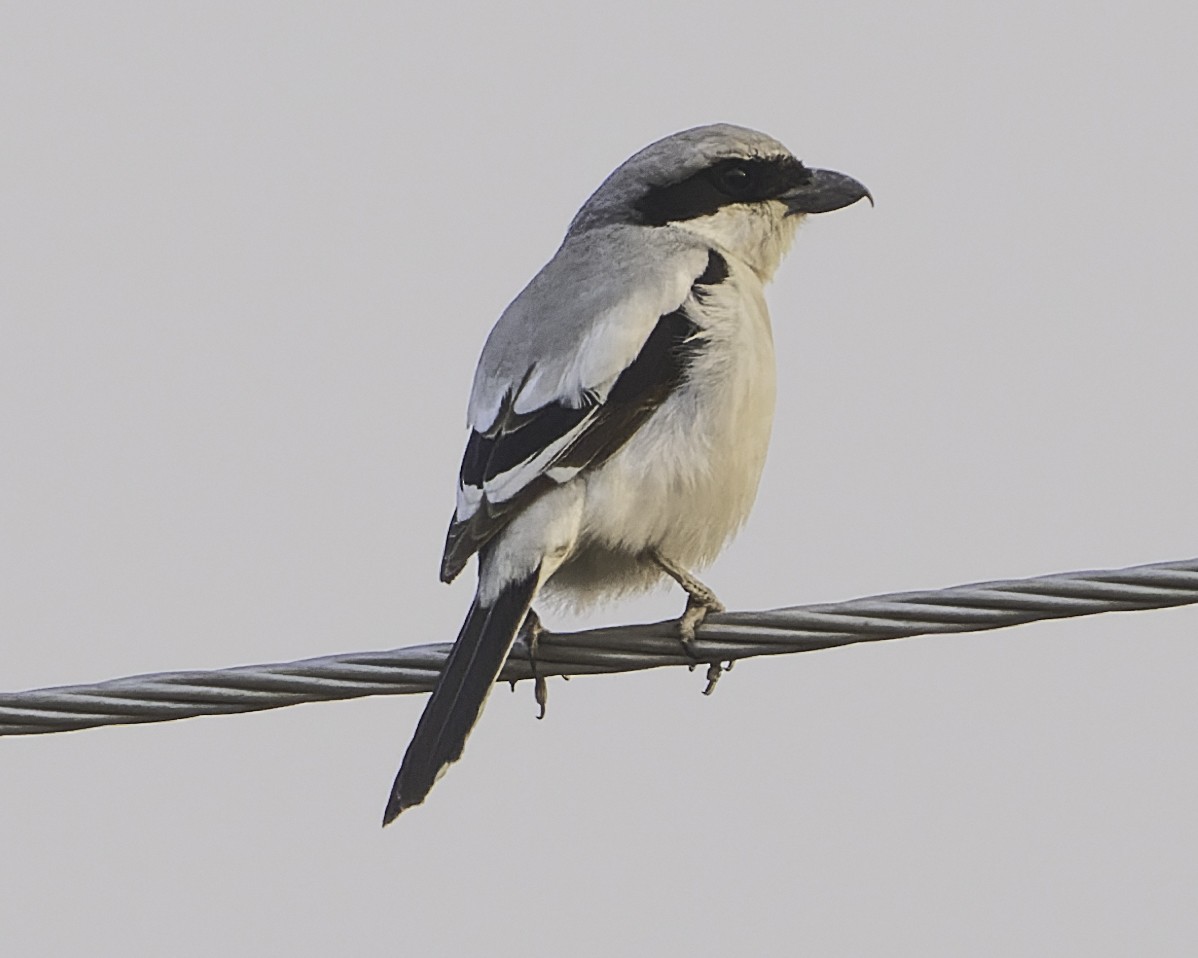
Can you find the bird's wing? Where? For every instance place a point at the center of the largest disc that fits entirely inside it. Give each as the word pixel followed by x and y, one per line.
pixel 578 362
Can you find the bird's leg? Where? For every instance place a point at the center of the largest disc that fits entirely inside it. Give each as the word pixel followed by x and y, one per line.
pixel 700 600
pixel 532 630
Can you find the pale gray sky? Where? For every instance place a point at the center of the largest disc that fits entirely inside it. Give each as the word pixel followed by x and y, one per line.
pixel 248 255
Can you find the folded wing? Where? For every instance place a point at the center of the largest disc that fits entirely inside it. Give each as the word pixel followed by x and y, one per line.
pixel 541 418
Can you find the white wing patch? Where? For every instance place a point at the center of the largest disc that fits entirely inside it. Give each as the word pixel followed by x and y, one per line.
pixel 505 485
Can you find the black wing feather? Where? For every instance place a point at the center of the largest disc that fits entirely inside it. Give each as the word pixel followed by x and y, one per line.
pixel 514 439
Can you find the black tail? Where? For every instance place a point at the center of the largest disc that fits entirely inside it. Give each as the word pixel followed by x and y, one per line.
pixel 457 701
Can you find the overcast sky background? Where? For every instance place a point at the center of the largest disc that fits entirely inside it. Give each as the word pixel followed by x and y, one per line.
pixel 248 256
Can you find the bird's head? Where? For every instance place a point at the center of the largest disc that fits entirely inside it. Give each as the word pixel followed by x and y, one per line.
pixel 739 189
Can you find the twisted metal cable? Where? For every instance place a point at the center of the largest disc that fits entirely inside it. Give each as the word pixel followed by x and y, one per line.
pixel 722 638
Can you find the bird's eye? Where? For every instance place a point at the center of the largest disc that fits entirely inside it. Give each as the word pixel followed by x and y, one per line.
pixel 735 179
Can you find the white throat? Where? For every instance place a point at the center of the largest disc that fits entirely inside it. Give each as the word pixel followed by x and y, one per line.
pixel 759 235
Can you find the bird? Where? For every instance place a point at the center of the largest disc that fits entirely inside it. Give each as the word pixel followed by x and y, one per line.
pixel 621 408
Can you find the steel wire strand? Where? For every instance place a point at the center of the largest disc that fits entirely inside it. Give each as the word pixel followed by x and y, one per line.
pixel 725 637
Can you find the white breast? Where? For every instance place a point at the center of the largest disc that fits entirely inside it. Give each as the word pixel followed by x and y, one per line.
pixel 685 482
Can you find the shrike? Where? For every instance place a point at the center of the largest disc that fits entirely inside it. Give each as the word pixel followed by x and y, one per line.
pixel 621 408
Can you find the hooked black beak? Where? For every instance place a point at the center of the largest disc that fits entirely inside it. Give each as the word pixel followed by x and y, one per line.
pixel 825 191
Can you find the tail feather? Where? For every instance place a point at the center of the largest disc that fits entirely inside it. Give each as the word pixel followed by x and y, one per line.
pixel 457 701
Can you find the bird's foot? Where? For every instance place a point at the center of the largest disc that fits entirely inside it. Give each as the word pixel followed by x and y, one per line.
pixel 698 605
pixel 700 602
pixel 532 630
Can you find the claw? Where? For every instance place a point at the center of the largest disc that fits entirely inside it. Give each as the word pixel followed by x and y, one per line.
pixel 714 671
